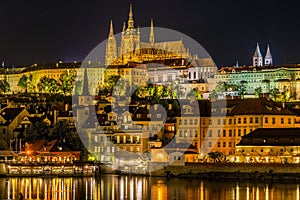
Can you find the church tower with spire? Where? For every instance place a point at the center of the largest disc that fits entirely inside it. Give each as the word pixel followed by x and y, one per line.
pixel 111 46
pixel 268 57
pixel 130 39
pixel 84 102
pixel 257 57
pixel 151 37
pixel 85 98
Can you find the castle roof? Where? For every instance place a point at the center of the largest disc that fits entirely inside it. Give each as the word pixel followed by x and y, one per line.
pixel 257 52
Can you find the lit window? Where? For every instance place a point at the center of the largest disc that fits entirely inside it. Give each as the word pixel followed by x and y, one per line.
pixel 266 120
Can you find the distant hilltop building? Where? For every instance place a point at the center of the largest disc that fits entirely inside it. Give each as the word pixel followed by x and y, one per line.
pixel 183 67
pixel 258 58
pixel 262 77
pixel 132 49
pixel 135 61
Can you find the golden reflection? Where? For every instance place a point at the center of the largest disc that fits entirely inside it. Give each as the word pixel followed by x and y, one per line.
pixel 131 187
pixel 247 193
pixel 202 191
pixel 159 190
pixel 237 195
pixel 267 192
pixel 297 192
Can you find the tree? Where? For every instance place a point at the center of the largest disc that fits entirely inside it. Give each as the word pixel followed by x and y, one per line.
pixel 274 93
pixel 23 82
pixel 216 156
pixel 213 94
pixel 112 81
pixel 241 89
pixel 285 95
pixel 48 85
pixel 67 81
pixel 195 92
pixel 62 133
pixel 4 86
pixel 258 91
pixel 221 86
pixel 37 131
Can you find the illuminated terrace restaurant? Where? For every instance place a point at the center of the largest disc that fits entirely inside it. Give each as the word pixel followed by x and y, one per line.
pixel 44 157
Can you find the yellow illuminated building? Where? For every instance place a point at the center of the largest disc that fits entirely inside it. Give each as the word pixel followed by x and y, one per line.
pixel 220 126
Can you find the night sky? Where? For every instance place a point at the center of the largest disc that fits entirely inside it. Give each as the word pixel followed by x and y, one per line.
pixel 49 31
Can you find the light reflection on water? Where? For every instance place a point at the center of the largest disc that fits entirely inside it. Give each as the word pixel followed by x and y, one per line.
pixel 135 187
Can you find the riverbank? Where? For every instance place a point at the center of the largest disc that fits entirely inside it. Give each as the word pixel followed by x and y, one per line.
pixel 233 171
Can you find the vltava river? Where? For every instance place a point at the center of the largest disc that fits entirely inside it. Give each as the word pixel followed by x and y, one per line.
pixel 126 187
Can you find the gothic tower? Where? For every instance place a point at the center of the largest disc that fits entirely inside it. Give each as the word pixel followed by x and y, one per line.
pixel 85 98
pixel 151 37
pixel 268 57
pixel 84 101
pixel 130 40
pixel 257 57
pixel 111 47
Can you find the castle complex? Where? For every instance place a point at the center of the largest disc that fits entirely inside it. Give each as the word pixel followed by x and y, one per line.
pixel 135 61
pixel 132 49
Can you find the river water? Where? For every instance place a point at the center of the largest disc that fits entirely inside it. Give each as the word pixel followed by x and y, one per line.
pixel 135 187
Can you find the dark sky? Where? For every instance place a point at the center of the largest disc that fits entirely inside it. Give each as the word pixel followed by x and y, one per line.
pixel 48 31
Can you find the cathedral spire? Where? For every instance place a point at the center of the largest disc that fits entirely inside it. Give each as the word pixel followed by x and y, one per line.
pixel 268 57
pixel 257 57
pixel 151 37
pixel 111 29
pixel 130 20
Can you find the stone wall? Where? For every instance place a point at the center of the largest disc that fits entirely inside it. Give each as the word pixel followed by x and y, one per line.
pixel 231 169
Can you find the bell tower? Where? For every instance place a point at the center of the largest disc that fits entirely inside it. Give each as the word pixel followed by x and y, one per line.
pixel 268 57
pixel 257 57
